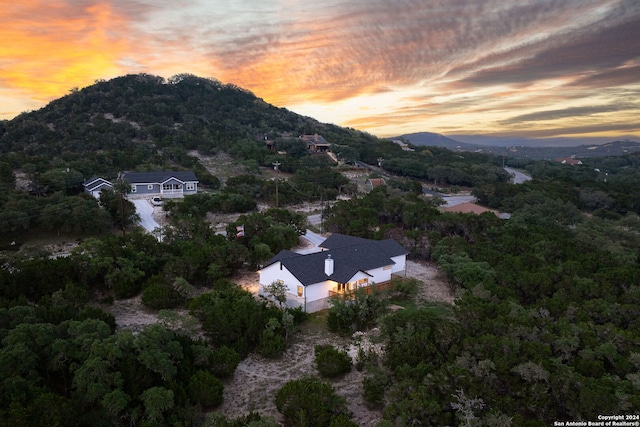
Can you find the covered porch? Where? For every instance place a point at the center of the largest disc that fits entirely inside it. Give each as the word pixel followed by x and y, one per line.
pixel 348 291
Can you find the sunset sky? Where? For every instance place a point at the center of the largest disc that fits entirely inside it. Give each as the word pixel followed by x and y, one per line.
pixel 521 68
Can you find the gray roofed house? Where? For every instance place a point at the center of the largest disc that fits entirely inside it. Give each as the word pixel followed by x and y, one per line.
pixel 168 184
pixel 95 184
pixel 346 263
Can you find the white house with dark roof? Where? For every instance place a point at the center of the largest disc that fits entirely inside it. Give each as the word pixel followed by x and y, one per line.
pixel 168 184
pixel 344 264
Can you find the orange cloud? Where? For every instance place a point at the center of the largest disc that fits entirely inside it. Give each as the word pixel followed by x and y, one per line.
pixel 49 48
pixel 378 65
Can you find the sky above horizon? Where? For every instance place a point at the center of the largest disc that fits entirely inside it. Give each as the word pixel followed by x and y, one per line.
pixel 522 68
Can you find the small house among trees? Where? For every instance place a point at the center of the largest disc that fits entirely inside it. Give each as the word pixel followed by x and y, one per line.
pixel 569 160
pixel 372 183
pixel 315 143
pixel 94 185
pixel 344 264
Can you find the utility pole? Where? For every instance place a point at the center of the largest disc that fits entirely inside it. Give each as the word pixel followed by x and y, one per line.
pixel 120 189
pixel 321 212
pixel 276 168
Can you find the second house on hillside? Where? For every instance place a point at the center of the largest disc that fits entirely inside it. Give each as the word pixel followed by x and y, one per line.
pixel 315 143
pixel 345 264
pixel 169 184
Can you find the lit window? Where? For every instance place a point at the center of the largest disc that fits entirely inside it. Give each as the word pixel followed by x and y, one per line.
pixel 299 290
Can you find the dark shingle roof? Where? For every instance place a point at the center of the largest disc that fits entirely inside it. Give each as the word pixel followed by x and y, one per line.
pixel 158 177
pixel 349 254
pixel 390 247
pixel 337 240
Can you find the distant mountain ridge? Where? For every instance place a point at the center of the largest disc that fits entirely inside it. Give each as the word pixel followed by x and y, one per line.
pixel 522 147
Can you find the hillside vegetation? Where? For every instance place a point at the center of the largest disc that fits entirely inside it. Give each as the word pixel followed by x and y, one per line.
pixel 544 326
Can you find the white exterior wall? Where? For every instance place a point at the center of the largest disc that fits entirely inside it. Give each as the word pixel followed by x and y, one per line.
pixel 380 275
pixel 400 263
pixel 272 273
pixel 316 297
pixel 319 290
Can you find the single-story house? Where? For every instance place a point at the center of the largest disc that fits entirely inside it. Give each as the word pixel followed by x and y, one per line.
pixel 164 184
pixel 94 185
pixel 344 264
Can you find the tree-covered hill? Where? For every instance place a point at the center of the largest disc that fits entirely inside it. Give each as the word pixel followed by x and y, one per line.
pixel 136 119
pixel 146 123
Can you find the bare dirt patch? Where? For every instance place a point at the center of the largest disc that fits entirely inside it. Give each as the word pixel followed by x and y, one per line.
pixel 435 286
pixel 132 314
pixel 257 380
pixel 220 165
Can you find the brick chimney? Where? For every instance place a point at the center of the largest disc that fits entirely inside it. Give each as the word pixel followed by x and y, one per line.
pixel 328 265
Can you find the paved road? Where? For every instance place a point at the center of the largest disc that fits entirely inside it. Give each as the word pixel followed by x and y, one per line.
pixel 314 238
pixel 457 200
pixel 518 177
pixel 145 210
pixel 315 219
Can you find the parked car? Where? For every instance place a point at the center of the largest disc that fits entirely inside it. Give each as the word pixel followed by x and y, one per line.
pixel 156 201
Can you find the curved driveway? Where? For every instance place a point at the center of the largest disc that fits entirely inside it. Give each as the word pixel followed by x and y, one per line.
pixel 144 209
pixel 518 177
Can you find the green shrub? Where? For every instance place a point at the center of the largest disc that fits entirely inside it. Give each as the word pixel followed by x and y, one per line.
pixel 332 362
pixel 405 289
pixel 348 315
pixel 205 389
pixel 299 315
pixel 373 389
pixel 342 421
pixel 224 362
pixel 309 402
pixel 271 344
pixel 159 296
